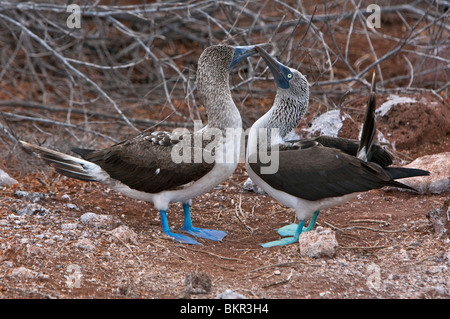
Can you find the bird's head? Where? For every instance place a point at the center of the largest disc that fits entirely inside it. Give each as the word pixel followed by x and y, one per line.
pixel 285 77
pixel 291 100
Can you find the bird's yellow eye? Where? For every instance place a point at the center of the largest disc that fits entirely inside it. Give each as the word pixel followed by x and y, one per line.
pixel 289 75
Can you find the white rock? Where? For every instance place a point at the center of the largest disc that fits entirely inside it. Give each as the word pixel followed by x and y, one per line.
pixel 69 226
pixel 71 206
pixel 328 123
pixel 439 179
pixel 125 234
pixel 230 294
pixel 30 209
pixel 85 244
pixel 99 220
pixel 318 243
pixel 33 197
pixel 22 273
pixel 392 101
pixel 250 186
pixel 88 217
pixel 5 179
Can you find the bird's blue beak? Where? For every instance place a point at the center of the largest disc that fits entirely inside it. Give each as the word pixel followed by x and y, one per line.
pixel 281 73
pixel 244 51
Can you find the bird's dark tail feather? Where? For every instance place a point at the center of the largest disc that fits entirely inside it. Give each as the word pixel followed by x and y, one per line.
pixel 369 127
pixel 403 172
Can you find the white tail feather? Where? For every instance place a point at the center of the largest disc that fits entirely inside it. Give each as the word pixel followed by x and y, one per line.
pixel 68 165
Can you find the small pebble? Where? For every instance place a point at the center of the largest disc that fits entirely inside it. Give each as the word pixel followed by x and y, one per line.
pixel 99 221
pixel 32 197
pixel 30 209
pixel 71 206
pixel 85 244
pixel 69 226
pixel 125 234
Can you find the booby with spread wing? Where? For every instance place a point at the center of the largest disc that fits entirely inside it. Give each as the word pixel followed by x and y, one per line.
pixel 315 174
pixel 163 168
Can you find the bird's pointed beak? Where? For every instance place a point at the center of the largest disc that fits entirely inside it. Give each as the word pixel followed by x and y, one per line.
pixel 276 67
pixel 244 51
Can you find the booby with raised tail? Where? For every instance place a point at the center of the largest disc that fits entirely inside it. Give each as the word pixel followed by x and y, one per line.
pixel 315 174
pixel 163 168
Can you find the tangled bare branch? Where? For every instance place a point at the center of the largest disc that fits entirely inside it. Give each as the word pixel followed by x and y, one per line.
pixel 134 65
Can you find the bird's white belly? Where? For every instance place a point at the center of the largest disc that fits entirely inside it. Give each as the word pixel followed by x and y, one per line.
pixel 306 208
pixel 161 200
pixel 221 171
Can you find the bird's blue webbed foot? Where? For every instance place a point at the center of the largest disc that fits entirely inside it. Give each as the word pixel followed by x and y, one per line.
pixel 281 242
pixel 211 234
pixel 289 230
pixel 183 239
pixel 287 240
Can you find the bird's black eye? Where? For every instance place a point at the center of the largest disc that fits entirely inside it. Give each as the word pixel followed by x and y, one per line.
pixel 289 75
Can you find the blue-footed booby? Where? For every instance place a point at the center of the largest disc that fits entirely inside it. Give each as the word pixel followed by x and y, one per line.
pixel 150 166
pixel 319 173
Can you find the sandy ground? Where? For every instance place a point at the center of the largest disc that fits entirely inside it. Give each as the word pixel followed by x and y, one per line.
pixel 49 248
pixel 52 247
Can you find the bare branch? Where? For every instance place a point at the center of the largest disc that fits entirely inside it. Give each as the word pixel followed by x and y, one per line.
pixel 141 59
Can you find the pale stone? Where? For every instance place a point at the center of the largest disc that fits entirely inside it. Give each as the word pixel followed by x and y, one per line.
pixel 439 179
pixel 125 234
pixel 318 243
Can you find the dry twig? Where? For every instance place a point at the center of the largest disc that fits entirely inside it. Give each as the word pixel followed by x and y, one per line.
pixel 126 61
